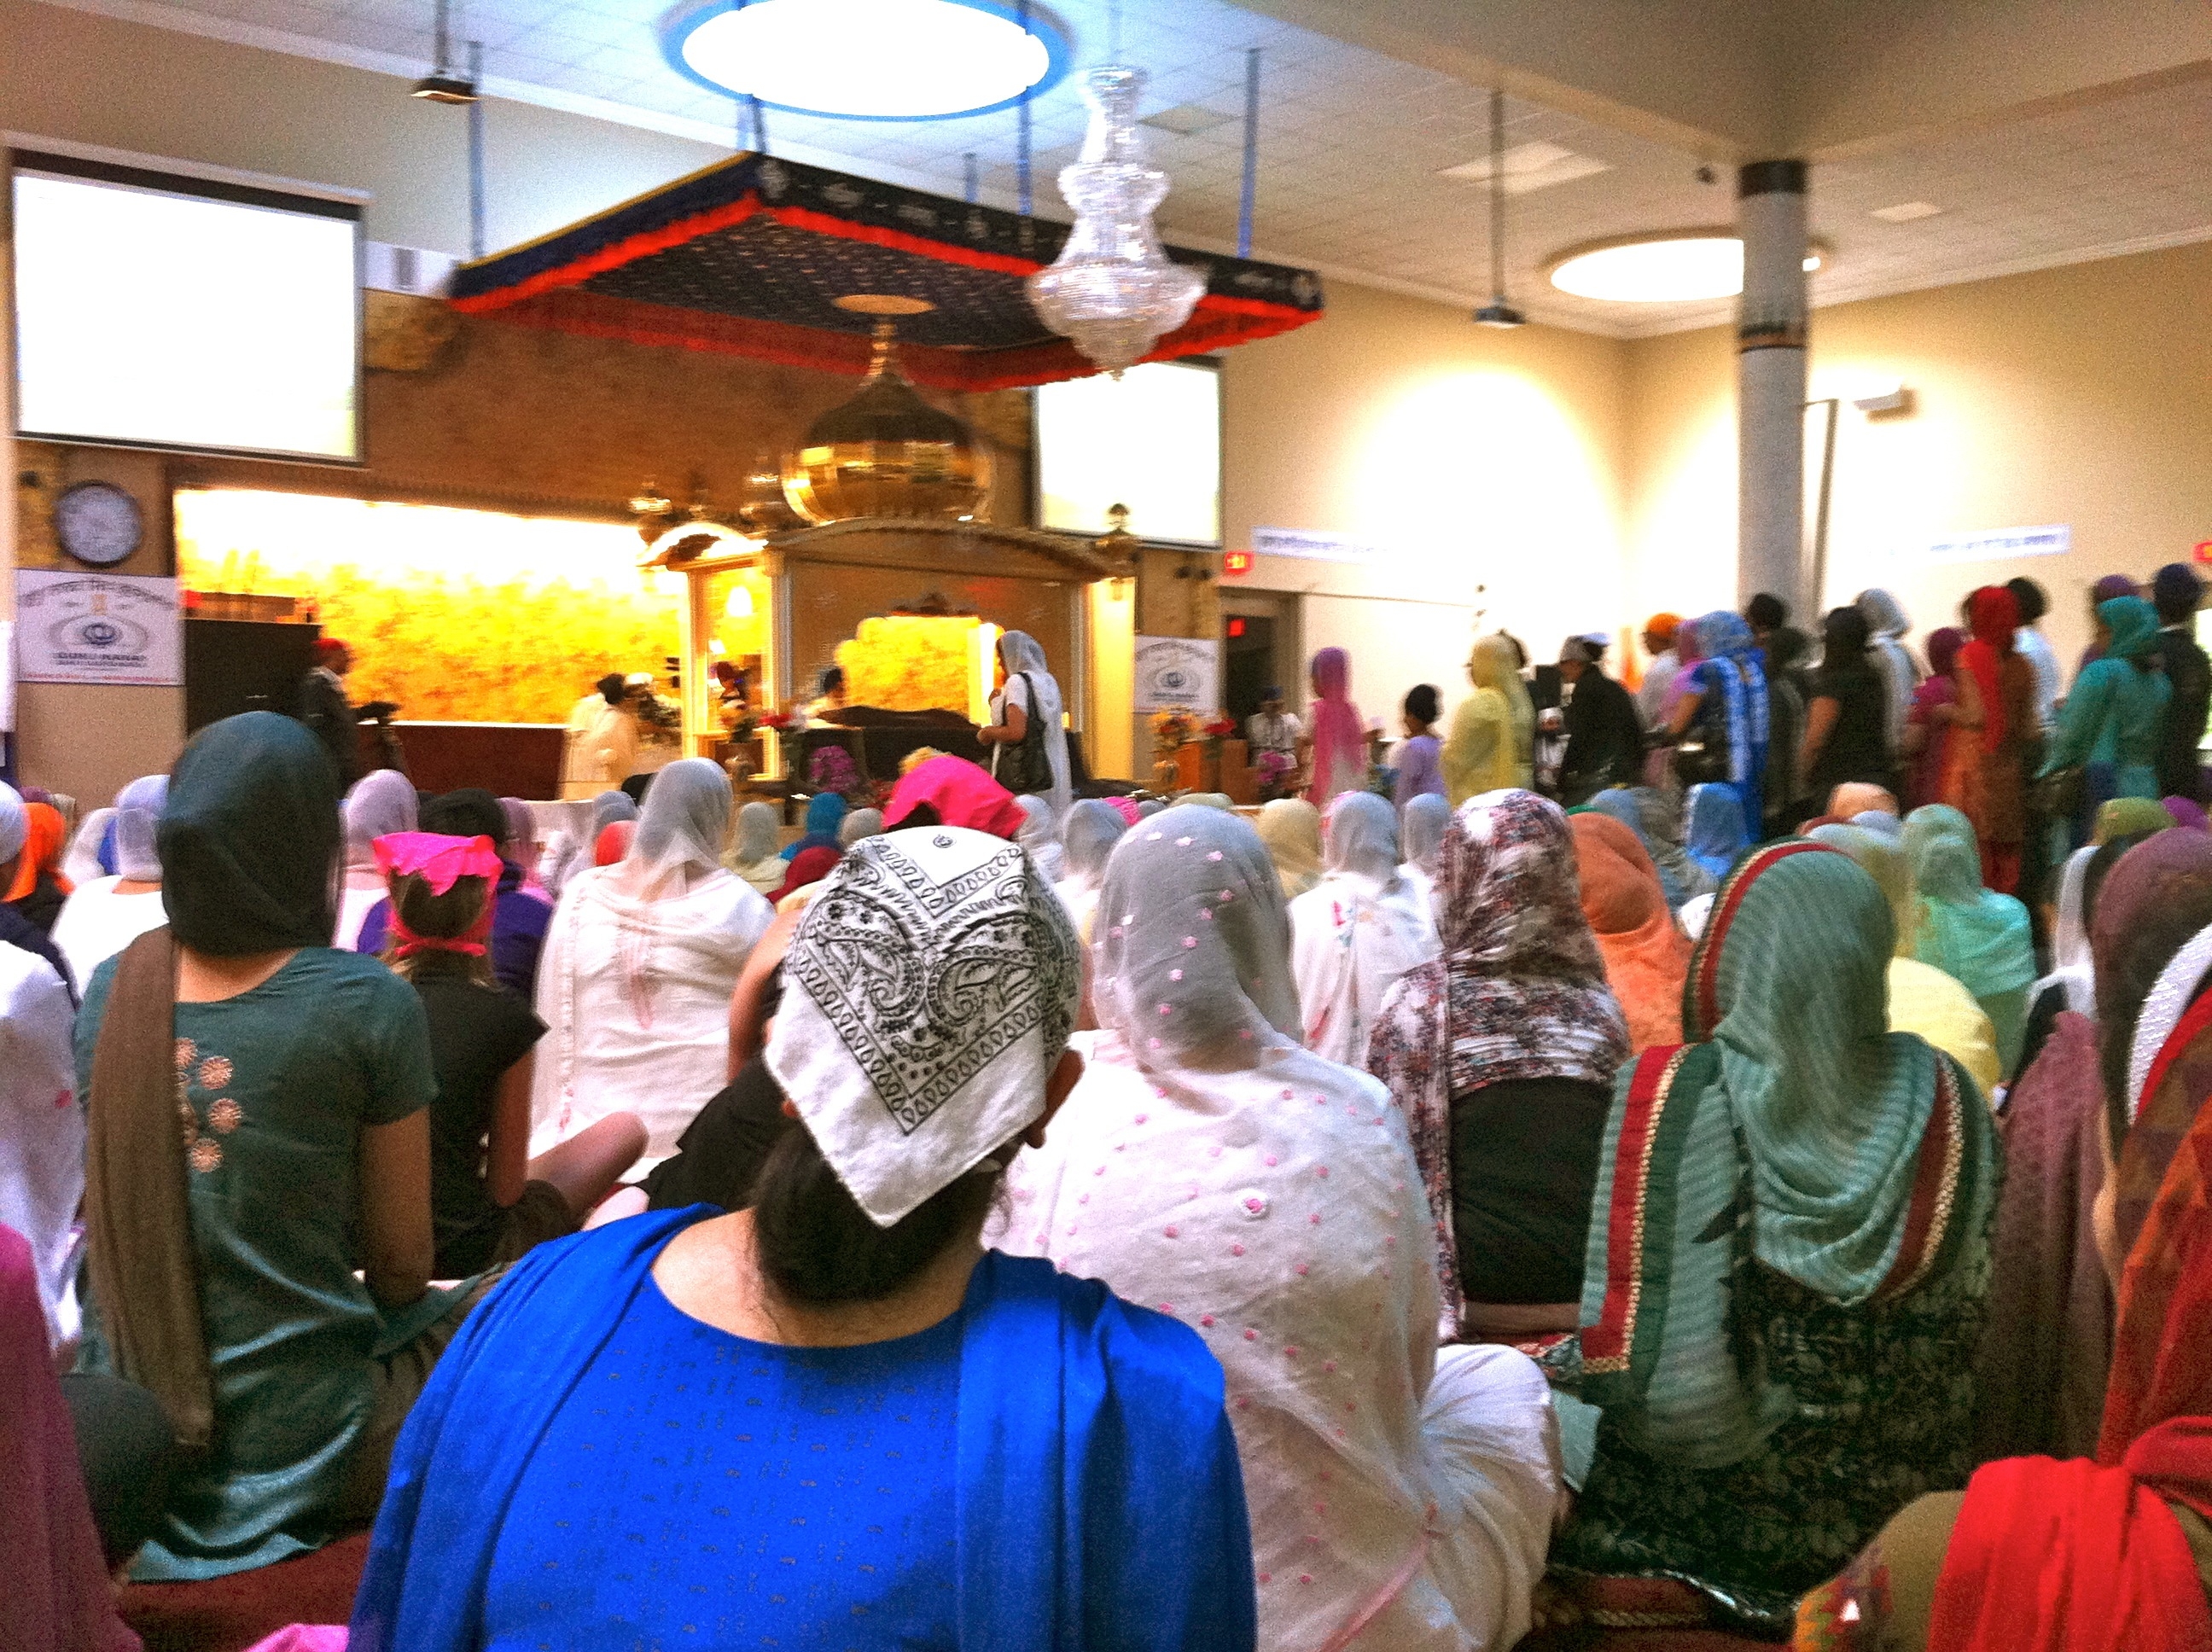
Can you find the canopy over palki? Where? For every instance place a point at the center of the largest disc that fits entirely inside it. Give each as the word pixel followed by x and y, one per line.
pixel 750 257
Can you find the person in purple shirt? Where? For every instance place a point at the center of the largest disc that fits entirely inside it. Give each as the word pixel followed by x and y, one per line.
pixel 519 918
pixel 1421 759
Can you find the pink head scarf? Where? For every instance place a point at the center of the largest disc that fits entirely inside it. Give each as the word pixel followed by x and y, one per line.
pixel 441 861
pixel 1340 739
pixel 960 794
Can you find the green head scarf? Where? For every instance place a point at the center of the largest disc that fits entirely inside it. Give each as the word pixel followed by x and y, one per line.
pixel 1972 934
pixel 2129 817
pixel 1881 858
pixel 249 838
pixel 1800 1126
pixel 2133 625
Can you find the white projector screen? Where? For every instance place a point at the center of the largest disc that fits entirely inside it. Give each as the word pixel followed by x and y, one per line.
pixel 165 312
pixel 1152 441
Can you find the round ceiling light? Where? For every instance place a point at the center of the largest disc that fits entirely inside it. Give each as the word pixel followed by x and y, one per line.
pixel 869 59
pixel 1671 267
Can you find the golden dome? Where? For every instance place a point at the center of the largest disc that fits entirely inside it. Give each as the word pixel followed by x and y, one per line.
pixel 886 453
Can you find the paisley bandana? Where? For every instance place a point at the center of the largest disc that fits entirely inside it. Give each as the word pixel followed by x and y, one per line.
pixel 929 994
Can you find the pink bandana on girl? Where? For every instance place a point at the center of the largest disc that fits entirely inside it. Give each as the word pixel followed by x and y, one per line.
pixel 441 862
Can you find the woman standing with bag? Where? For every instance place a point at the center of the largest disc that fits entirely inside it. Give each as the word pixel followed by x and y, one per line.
pixel 1029 745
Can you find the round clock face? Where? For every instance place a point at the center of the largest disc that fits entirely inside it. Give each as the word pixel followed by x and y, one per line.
pixel 97 523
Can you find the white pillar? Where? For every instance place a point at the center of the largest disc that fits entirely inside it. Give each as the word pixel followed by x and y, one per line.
pixel 1771 554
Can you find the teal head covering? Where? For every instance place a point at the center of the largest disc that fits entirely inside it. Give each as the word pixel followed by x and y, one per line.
pixel 1797 1128
pixel 2133 625
pixel 824 815
pixel 1972 933
pixel 249 837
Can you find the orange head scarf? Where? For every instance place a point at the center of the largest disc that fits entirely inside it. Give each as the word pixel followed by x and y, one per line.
pixel 1994 613
pixel 1646 957
pixel 46 838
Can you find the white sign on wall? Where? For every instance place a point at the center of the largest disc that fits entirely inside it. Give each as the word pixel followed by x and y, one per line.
pixel 1994 545
pixel 1178 674
pixel 97 628
pixel 1314 547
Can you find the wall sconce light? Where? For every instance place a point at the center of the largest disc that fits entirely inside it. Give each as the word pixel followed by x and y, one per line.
pixel 1886 401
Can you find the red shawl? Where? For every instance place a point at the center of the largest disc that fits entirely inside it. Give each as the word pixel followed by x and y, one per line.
pixel 2083 1556
pixel 1994 613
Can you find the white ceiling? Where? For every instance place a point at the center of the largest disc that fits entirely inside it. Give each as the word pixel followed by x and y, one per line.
pixel 1352 143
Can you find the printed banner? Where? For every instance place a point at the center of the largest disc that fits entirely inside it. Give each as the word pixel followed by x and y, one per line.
pixel 1314 547
pixel 97 628
pixel 1994 545
pixel 1178 674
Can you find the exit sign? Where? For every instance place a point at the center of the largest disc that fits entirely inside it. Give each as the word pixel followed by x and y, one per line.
pixel 2204 550
pixel 1235 564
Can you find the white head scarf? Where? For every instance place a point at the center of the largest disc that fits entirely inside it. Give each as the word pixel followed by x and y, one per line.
pixel 1039 837
pixel 680 831
pixel 81 863
pixel 138 813
pixel 1426 816
pixel 2073 968
pixel 382 801
pixel 862 823
pixel 1887 624
pixel 1362 840
pixel 758 831
pixel 929 994
pixel 1022 655
pixel 1092 831
pixel 15 822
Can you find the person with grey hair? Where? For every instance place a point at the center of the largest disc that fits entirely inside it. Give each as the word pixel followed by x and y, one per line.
pixel 102 917
pixel 955 1446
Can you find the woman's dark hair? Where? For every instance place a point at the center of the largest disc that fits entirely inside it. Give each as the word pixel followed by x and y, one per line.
pixel 922 814
pixel 818 1246
pixel 614 688
pixel 1422 705
pixel 2033 604
pixel 443 917
pixel 1843 638
pixel 833 679
pixel 1766 611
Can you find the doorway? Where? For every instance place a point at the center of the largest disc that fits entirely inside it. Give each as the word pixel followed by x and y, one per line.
pixel 1256 641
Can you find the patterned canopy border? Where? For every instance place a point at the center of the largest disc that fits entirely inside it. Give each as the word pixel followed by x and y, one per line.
pixel 744 257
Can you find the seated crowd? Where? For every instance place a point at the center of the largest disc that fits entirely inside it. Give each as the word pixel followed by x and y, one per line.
pixel 1628 1155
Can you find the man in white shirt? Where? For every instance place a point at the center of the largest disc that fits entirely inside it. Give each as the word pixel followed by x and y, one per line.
pixel 1659 675
pixel 2036 649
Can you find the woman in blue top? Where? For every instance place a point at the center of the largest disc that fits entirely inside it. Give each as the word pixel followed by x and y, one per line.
pixel 833 1420
pixel 2113 718
pixel 1725 702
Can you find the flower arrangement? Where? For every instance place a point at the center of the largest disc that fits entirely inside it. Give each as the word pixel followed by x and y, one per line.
pixel 779 720
pixel 1172 729
pixel 831 769
pixel 1220 728
pixel 1273 766
pixel 658 714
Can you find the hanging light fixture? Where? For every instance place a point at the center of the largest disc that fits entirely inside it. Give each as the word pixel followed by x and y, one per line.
pixel 1112 290
pixel 1497 313
pixel 444 83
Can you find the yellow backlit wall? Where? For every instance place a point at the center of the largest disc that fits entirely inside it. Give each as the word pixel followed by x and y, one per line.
pixel 460 615
pixel 1470 457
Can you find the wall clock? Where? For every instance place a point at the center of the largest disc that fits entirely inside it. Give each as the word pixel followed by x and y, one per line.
pixel 98 523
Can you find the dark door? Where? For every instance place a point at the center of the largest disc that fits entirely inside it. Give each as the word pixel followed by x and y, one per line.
pixel 1247 647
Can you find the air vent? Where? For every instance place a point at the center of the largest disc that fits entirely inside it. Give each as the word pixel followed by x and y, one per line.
pixel 1187 119
pixel 1906 212
pixel 416 271
pixel 1531 167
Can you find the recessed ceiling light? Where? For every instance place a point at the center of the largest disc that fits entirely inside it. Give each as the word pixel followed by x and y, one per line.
pixel 869 59
pixel 1531 167
pixel 1670 267
pixel 1187 119
pixel 1905 211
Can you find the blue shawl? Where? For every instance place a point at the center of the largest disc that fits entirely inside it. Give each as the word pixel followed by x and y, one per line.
pixel 1733 667
pixel 824 815
pixel 1100 1505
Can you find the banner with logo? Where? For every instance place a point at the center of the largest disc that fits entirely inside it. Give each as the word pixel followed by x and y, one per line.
pixel 1178 674
pixel 98 628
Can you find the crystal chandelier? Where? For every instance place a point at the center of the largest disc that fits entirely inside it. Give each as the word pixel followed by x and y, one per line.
pixel 1112 290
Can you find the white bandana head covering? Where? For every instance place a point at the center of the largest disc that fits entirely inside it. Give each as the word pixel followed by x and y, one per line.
pixel 138 813
pixel 929 994
pixel 15 822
